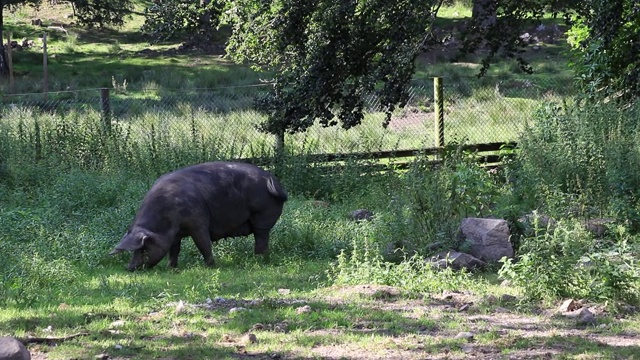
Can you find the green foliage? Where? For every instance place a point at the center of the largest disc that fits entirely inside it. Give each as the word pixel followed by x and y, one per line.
pixel 99 13
pixel 365 265
pixel 327 55
pixel 438 198
pixel 180 19
pixel 581 161
pixel 566 262
pixel 607 53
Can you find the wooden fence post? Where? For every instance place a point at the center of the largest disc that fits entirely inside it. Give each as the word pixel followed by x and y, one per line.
pixel 439 112
pixel 278 156
pixel 45 67
pixel 10 63
pixel 106 109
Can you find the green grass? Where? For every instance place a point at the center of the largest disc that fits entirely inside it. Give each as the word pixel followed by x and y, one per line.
pixel 69 189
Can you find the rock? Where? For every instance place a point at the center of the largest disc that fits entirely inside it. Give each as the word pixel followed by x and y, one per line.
pixel 284 291
pixel 117 323
pixel 257 326
pixel 249 339
pixel 583 316
pixel 320 203
pixel 303 309
pixel 457 261
pixel 179 307
pixel 236 309
pixel 500 310
pixel 506 283
pixel 508 298
pixel 102 357
pixel 361 214
pixel 598 227
pixel 569 305
pixel 12 349
pixel 489 239
pixel 490 299
pixel 465 335
pixel 586 318
pixel 464 307
pixel 537 221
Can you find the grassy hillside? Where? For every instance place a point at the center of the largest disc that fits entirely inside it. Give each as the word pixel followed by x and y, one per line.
pixel 89 58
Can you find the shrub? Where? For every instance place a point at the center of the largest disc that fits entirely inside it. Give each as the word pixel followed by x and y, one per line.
pixel 566 262
pixel 581 162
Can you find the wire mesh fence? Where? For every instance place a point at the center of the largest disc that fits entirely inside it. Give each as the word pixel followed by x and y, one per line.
pixel 223 121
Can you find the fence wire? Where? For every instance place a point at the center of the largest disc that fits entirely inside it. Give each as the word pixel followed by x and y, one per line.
pixel 223 121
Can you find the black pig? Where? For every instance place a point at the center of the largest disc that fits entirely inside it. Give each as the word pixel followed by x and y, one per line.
pixel 208 202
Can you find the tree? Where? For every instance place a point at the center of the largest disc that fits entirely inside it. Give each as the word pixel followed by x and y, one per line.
pixel 98 13
pixel 325 55
pixel 195 20
pixel 606 39
pixel 496 26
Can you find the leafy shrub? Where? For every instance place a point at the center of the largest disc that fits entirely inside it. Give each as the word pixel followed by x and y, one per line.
pixel 439 197
pixel 29 278
pixel 365 265
pixel 581 162
pixel 566 262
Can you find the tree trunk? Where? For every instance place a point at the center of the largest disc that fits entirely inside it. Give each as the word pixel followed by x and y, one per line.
pixel 4 67
pixel 484 12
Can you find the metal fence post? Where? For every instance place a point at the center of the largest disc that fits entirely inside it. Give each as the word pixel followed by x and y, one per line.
pixel 106 109
pixel 439 112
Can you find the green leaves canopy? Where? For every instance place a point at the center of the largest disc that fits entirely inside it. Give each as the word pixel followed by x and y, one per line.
pixel 327 55
pixel 193 19
pixel 606 37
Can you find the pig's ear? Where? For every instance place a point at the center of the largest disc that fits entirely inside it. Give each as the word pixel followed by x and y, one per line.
pixel 131 243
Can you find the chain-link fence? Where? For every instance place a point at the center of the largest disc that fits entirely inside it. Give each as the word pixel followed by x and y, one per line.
pixel 223 120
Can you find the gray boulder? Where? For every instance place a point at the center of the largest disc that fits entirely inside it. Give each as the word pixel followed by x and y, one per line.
pixel 457 261
pixel 488 239
pixel 12 349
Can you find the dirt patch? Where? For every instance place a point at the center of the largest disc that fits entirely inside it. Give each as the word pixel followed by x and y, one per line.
pixel 494 328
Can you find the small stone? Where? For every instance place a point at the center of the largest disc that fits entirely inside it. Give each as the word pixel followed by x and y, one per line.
pixel 236 309
pixel 362 214
pixel 303 309
pixel 465 335
pixel 603 326
pixel 467 348
pixel 258 326
pixel 506 283
pixel 102 357
pixel 569 305
pixel 249 339
pixel 500 310
pixel 586 318
pixel 490 299
pixel 464 307
pixel 180 307
pixel 507 298
pixel 118 347
pixel 446 295
pixel 284 291
pixel 320 203
pixel 117 323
